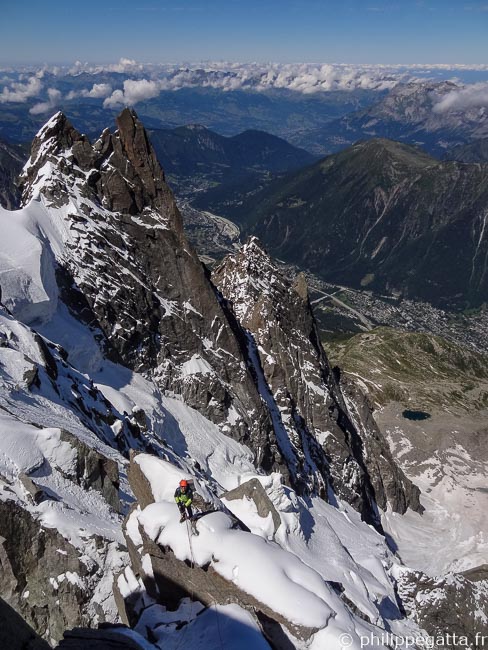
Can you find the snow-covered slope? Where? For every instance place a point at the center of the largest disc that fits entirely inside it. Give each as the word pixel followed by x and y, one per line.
pixel 40 473
pixel 323 571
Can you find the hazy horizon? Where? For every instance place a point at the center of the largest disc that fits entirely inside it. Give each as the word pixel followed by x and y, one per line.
pixel 286 31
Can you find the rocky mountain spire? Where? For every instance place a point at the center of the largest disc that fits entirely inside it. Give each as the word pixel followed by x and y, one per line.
pixel 331 437
pixel 126 268
pixel 121 168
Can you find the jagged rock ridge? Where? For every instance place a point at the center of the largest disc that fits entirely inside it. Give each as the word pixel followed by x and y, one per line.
pixel 328 432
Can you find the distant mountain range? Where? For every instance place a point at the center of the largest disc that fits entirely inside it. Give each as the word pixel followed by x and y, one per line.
pixel 284 113
pixel 414 113
pixel 417 112
pixel 383 216
pixel 192 150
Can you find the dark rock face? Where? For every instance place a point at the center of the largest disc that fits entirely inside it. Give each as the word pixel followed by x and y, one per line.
pixel 390 484
pixel 94 470
pixel 15 634
pixel 32 560
pixel 139 483
pixel 35 492
pixel 381 215
pixel 321 439
pixel 106 638
pixel 11 163
pixel 477 573
pixel 447 605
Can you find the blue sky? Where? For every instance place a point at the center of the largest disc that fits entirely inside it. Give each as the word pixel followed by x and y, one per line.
pixel 350 31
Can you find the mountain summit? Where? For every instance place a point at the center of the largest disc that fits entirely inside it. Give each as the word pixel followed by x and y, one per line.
pixel 384 216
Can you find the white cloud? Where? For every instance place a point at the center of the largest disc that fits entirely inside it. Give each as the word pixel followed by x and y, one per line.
pixel 134 91
pixel 21 92
pixel 303 78
pixel 123 65
pixel 473 96
pixel 98 91
pixel 54 96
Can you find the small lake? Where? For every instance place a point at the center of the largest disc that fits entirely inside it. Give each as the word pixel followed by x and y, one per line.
pixel 416 415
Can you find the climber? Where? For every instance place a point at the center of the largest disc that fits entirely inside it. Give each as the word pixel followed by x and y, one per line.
pixel 183 498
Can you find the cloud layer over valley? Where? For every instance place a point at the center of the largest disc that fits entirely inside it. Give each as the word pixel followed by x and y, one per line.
pixel 128 82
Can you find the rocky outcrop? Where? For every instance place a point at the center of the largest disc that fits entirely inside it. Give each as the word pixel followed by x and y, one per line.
pixel 94 471
pixel 254 491
pixel 176 580
pixel 448 607
pixel 391 486
pixel 35 492
pixel 15 634
pixel 45 369
pixel 42 576
pixel 139 483
pixel 158 575
pixel 477 574
pixel 326 439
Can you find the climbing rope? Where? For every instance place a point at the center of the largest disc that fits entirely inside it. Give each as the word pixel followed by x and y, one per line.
pixel 214 603
pixel 218 624
pixel 188 529
pixel 192 597
pixel 188 532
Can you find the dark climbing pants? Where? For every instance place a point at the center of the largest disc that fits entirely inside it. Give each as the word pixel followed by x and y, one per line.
pixel 188 509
